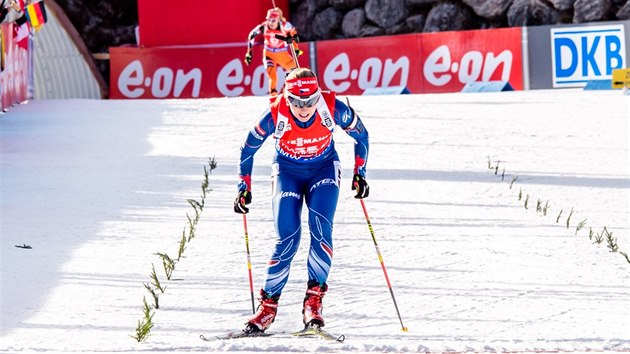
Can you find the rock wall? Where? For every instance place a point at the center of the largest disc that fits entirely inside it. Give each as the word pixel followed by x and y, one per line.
pixel 103 24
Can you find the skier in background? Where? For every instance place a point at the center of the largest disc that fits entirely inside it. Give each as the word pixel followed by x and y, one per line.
pixel 306 168
pixel 276 51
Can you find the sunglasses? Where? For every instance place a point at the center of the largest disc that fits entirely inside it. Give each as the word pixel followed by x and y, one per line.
pixel 306 102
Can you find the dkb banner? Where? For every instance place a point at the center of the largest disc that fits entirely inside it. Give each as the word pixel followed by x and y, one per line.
pixel 572 55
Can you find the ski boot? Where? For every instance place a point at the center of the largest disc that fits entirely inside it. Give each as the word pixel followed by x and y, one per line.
pixel 265 315
pixel 313 304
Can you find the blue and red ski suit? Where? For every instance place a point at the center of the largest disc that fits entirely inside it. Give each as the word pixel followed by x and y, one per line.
pixel 305 168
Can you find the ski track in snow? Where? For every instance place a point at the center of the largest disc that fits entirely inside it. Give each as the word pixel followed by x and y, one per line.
pixel 97 188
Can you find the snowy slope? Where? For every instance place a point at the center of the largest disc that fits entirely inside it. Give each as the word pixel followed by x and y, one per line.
pixel 97 188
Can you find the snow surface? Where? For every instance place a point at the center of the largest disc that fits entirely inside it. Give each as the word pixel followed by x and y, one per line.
pixel 98 187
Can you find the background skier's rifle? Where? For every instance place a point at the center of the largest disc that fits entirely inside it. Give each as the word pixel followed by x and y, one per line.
pixel 289 39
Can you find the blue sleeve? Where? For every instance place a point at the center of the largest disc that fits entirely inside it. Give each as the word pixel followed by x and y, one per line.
pixel 351 123
pixel 255 138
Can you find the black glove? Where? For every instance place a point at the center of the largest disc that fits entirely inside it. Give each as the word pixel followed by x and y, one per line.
pixel 360 185
pixel 248 58
pixel 298 52
pixel 243 198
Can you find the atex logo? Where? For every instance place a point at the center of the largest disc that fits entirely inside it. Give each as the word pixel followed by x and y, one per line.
pixel 581 54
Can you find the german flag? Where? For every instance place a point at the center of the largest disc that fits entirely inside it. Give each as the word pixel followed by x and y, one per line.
pixel 36 14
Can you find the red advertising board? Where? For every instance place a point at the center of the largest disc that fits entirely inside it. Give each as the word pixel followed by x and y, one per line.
pixel 452 59
pixel 424 63
pixel 188 72
pixel 191 22
pixel 350 66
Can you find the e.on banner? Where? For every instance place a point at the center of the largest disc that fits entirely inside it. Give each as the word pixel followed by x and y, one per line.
pixel 424 63
pixel 187 72
pixel 350 66
pixel 453 59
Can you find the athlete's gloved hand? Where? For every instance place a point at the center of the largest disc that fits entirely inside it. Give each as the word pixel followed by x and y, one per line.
pixel 242 199
pixel 299 52
pixel 248 57
pixel 360 185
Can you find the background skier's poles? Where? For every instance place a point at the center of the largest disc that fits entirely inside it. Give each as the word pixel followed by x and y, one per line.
pixel 380 258
pixel 249 263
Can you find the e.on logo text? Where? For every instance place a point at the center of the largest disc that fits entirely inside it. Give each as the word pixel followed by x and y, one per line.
pixel 338 75
pixel 233 81
pixel 162 83
pixel 440 67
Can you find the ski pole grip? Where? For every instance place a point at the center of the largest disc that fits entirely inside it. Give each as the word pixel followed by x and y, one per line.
pixel 283 38
pixel 289 38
